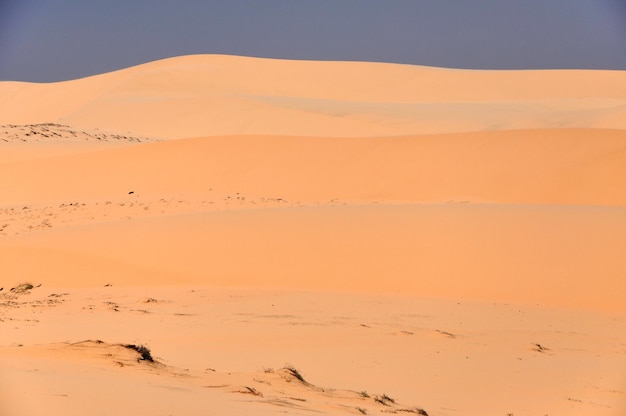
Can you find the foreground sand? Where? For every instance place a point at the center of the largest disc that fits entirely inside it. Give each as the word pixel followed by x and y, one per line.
pixel 454 250
pixel 215 347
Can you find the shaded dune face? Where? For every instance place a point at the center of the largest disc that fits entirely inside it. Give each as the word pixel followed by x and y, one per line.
pixel 564 167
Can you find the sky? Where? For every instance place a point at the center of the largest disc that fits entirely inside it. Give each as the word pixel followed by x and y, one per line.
pixel 55 40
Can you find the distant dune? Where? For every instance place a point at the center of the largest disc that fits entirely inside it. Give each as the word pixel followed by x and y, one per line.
pixel 451 241
pixel 219 95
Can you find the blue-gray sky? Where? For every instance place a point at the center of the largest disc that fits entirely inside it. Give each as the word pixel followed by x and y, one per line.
pixel 52 40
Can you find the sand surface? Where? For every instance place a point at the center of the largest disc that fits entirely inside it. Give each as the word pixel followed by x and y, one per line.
pixel 407 239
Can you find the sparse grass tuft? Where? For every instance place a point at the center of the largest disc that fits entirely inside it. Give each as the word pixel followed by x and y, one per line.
pixel 388 399
pixel 384 400
pixel 416 410
pixel 252 391
pixel 364 394
pixel 294 372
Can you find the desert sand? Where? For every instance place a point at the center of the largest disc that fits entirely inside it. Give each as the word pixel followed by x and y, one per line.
pixel 293 237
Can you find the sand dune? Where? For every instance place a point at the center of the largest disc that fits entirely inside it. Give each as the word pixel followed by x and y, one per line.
pixel 451 240
pixel 512 215
pixel 462 214
pixel 218 95
pixel 581 167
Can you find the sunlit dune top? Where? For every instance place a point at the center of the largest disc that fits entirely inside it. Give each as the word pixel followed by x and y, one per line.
pixel 220 95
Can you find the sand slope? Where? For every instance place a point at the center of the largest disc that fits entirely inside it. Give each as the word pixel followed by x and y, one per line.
pixel 451 239
pixel 519 216
pixel 548 256
pixel 581 167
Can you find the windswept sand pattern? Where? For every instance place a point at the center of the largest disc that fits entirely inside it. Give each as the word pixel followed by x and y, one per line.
pixel 24 219
pixel 52 132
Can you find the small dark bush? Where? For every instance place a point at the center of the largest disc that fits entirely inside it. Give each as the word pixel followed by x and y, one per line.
pixel 384 400
pixel 24 287
pixel 142 350
pixel 381 401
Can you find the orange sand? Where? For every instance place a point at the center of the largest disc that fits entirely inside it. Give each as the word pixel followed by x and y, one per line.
pixel 452 239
